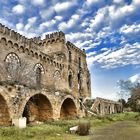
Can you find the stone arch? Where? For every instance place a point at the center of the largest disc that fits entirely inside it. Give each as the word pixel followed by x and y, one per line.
pixel 99 108
pixel 53 40
pixel 3 41
pixel 32 53
pixel 44 58
pixel 27 51
pixel 39 70
pixel 40 57
pixel 68 109
pixel 36 55
pixel 5 118
pixel 57 75
pixel 70 78
pixel 37 108
pixel 15 46
pixel 10 44
pixel 21 49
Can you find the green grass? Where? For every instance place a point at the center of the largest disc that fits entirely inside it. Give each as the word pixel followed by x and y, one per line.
pixel 58 130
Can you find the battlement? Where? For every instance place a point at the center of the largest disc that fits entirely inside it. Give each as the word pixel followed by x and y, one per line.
pixel 5 31
pixel 71 45
pixel 55 37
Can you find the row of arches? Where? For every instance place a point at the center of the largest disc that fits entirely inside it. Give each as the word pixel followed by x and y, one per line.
pixel 38 108
pixel 30 52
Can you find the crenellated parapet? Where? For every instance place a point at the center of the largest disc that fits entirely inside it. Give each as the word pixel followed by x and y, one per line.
pixel 18 38
pixel 55 37
pixel 6 40
pixel 72 46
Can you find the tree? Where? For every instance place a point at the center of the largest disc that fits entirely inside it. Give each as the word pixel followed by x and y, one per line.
pixel 124 89
pixel 21 73
pixel 134 100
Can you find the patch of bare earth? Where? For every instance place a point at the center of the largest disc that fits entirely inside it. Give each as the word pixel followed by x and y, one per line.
pixel 125 130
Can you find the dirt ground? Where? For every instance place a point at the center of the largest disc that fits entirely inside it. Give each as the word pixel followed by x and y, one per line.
pixel 125 130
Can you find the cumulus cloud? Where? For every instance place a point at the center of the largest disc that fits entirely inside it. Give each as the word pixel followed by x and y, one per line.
pixel 60 7
pixel 128 55
pixel 70 23
pixel 18 9
pixel 47 24
pixel 38 2
pixel 31 21
pixel 130 29
pixel 135 78
pixel 19 26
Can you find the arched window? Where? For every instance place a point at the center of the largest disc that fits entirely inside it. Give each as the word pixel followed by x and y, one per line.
pixel 79 75
pixel 39 70
pixel 79 63
pixel 70 57
pixel 70 79
pixel 12 64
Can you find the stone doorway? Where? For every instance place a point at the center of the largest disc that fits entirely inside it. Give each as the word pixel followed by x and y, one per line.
pixel 4 113
pixel 38 108
pixel 68 109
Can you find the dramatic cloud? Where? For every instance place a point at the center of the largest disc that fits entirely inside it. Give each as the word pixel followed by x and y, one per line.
pixel 38 2
pixel 18 9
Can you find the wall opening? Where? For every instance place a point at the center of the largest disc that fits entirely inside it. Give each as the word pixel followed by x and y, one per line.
pixel 70 80
pixel 4 113
pixel 38 108
pixel 99 108
pixel 68 109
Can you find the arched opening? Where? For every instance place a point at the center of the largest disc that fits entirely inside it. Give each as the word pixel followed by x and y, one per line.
pixel 70 56
pixel 70 79
pixel 68 109
pixel 99 108
pixel 38 108
pixel 109 110
pixel 4 113
pixel 39 70
pixel 38 77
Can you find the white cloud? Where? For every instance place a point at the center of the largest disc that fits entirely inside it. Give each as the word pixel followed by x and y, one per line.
pixel 92 2
pixel 59 18
pixel 18 9
pixel 19 26
pixel 128 55
pixel 135 78
pixel 47 24
pixel 60 7
pixel 70 23
pixel 47 13
pixel 98 19
pixel 38 2
pixel 130 29
pixel 31 21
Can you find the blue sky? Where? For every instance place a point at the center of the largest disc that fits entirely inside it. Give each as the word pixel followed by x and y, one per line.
pixel 109 31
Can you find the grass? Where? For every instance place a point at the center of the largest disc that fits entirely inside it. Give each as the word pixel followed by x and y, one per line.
pixel 58 130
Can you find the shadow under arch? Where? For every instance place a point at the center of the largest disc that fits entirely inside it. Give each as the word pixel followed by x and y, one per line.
pixel 68 109
pixel 4 112
pixel 38 108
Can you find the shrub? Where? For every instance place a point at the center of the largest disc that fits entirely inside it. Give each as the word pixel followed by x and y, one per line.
pixel 83 128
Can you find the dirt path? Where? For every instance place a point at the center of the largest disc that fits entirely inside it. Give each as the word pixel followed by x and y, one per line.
pixel 125 130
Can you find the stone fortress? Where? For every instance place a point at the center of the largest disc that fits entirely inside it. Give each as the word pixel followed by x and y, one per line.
pixel 41 79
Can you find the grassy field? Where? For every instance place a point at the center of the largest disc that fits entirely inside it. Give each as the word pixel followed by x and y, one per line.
pixel 58 130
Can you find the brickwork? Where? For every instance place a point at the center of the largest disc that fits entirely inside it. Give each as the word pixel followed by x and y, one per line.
pixel 51 69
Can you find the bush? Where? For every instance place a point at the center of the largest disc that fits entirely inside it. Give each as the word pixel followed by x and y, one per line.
pixel 83 128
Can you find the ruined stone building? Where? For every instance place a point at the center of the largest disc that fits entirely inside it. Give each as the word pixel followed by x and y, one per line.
pixel 104 106
pixel 41 79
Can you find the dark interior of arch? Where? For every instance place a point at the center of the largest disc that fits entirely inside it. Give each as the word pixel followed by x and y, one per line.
pixel 68 109
pixel 38 108
pixel 4 113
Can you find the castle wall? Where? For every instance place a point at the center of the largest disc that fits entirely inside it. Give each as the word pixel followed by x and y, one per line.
pixel 42 67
